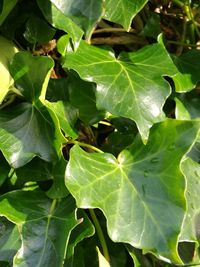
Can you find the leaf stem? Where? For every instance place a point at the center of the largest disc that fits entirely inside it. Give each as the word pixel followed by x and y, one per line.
pixel 100 235
pixel 85 145
pixel 53 205
pixel 110 30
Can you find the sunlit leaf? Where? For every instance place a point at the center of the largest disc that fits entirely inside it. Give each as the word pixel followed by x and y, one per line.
pixel 133 190
pixel 26 132
pixel 7 52
pixel 85 13
pixel 123 11
pixel 57 19
pixel 31 75
pixel 131 85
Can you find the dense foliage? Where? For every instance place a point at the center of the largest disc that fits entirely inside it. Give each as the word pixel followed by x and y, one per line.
pixel 99 122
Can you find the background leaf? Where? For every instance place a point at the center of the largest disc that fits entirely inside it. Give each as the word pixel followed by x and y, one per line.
pixel 188 75
pixel 7 7
pixel 187 106
pixel 38 30
pixel 133 190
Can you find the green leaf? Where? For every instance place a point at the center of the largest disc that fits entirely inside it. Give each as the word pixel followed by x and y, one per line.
pixel 84 230
pixel 45 226
pixel 181 112
pixel 85 13
pixel 7 7
pixel 138 258
pixel 66 115
pixel 7 52
pixel 31 75
pixel 188 75
pixel 4 169
pixel 57 90
pixel 9 240
pixel 37 30
pixel 58 189
pixel 26 132
pixel 123 11
pixel 131 85
pixel 187 106
pixel 191 230
pixel 102 261
pixel 57 19
pixel 133 190
pixel 36 170
pixel 82 96
pixel 152 27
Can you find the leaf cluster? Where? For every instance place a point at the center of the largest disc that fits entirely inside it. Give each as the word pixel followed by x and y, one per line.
pixel 99 133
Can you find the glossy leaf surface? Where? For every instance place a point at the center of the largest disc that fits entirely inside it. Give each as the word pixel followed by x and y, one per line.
pixel 9 240
pixel 131 85
pixel 26 132
pixel 31 75
pixel 85 13
pixel 122 11
pixel 57 19
pixel 45 227
pixel 134 189
pixel 38 30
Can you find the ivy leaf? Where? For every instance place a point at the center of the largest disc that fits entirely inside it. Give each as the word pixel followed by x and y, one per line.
pixel 38 30
pixel 57 19
pixel 190 229
pixel 36 170
pixel 85 13
pixel 26 132
pixel 133 190
pixel 84 230
pixel 45 226
pixel 9 240
pixel 7 7
pixel 188 75
pixel 131 85
pixel 7 52
pixel 82 96
pixel 65 114
pixel 58 189
pixel 123 11
pixel 31 75
pixel 187 106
